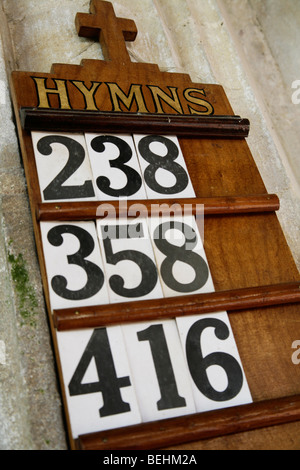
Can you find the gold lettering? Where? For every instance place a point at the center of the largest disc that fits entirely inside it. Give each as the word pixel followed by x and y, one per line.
pixel 135 94
pixel 89 94
pixel 208 109
pixel 159 95
pixel 43 92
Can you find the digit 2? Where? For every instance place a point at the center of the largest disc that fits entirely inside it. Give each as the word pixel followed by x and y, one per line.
pixel 57 189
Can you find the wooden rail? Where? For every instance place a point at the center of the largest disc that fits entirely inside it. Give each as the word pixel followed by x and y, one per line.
pixel 95 121
pixel 166 433
pixel 172 307
pixel 73 211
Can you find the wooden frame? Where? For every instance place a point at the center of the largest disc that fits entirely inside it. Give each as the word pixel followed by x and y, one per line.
pixel 254 273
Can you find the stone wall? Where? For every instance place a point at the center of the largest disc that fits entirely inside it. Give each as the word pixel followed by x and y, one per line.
pixel 245 45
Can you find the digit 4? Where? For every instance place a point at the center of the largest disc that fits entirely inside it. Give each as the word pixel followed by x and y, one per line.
pixel 97 380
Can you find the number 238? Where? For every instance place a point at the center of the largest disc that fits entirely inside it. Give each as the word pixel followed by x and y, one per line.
pixel 109 175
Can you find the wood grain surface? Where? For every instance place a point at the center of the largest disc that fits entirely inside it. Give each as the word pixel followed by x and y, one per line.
pixel 245 249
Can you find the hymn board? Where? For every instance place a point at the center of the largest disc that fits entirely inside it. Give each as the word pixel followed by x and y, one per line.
pixel 162 336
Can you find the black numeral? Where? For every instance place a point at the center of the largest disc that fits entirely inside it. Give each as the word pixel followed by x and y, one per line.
pixel 163 366
pixel 109 384
pixel 166 162
pixel 198 364
pixel 182 253
pixel 134 181
pixel 56 190
pixel 95 276
pixel 146 265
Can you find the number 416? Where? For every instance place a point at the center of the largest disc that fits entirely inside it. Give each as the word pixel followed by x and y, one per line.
pixel 208 354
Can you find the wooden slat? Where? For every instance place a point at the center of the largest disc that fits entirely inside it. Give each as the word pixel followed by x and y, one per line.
pixel 159 309
pixel 162 434
pixel 73 211
pixel 96 121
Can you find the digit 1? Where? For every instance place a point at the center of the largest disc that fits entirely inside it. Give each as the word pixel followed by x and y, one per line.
pixel 109 384
pixel 163 367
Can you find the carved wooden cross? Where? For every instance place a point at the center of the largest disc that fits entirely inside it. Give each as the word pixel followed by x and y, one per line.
pixel 112 32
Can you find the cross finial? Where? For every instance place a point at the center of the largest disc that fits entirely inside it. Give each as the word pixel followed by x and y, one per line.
pixel 112 32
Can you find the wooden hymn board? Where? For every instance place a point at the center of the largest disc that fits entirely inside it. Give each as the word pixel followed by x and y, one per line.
pixel 173 335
